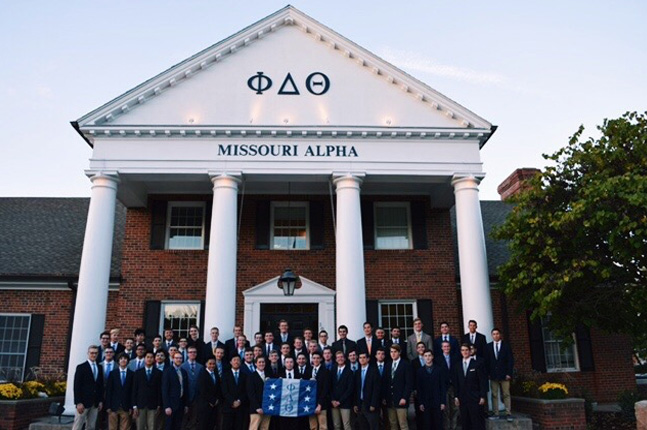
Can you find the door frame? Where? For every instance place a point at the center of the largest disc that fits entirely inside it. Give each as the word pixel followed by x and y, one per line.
pixel 269 292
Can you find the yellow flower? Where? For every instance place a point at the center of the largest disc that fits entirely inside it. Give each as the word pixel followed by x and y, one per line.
pixel 33 388
pixel 10 392
pixel 553 386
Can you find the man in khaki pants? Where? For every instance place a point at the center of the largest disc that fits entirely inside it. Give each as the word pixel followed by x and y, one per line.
pixel 88 391
pixel 319 420
pixel 119 387
pixel 399 384
pixel 341 393
pixel 255 386
pixel 500 365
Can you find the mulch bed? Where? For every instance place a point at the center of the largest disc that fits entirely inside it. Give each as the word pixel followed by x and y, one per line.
pixel 611 421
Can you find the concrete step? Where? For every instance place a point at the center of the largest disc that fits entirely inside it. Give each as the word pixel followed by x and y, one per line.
pixel 51 423
pixel 518 423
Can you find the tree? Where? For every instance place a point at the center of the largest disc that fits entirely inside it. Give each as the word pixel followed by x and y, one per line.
pixel 578 234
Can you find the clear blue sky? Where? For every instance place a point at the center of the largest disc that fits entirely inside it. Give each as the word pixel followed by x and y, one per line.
pixel 536 69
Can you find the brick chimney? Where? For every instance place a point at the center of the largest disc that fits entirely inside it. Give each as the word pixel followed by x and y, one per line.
pixel 515 182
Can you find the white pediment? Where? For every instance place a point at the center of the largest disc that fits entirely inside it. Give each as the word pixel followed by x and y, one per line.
pixel 211 89
pixel 270 288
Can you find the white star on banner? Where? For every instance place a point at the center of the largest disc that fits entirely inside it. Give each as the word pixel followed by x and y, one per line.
pixel 306 398
pixel 272 396
pixel 270 407
pixel 306 409
pixel 308 388
pixel 273 386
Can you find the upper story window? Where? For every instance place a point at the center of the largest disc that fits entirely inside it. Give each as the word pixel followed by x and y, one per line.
pixel 14 337
pixel 185 225
pixel 289 226
pixel 392 225
pixel 559 356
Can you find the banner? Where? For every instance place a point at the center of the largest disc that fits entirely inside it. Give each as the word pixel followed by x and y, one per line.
pixel 290 397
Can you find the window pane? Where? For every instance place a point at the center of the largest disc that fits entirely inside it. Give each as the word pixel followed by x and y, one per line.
pixel 185 229
pixel 290 227
pixel 392 227
pixel 14 334
pixel 397 315
pixel 179 317
pixel 559 356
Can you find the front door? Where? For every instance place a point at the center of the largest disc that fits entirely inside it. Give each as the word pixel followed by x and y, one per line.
pixel 298 316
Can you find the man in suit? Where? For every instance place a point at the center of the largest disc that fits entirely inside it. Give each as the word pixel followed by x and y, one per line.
pixel 431 392
pixel 323 340
pixel 308 337
pixel 397 340
pixel 284 334
pixel 255 386
pixel 210 347
pixel 241 345
pixel 328 358
pixel 232 344
pixel 157 343
pixel 445 336
pixel 182 346
pixel 139 361
pixel 475 338
pixel 119 389
pixel 273 369
pixel 258 339
pixel 160 360
pixel 319 420
pixel 343 343
pixel 418 336
pixel 104 342
pixel 416 364
pixel 382 367
pixel 147 395
pixel 88 391
pixel 367 394
pixel 195 340
pixel 129 348
pixel 140 337
pixel 369 342
pixel 303 367
pixel 169 339
pixel 380 335
pixel 248 363
pixel 269 344
pixel 298 348
pixel 235 410
pixel 500 366
pixel 108 364
pixel 397 390
pixel 470 386
pixel 341 394
pixel 289 372
pixel 114 341
pixel 208 396
pixel 448 362
pixel 175 390
pixel 193 369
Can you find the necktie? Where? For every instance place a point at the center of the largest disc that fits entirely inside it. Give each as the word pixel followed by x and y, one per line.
pixel 251 367
pixel 268 350
pixel 448 361
pixel 418 336
pixel 94 370
pixel 236 376
pixel 139 364
pixel 472 339
pixel 289 375
pixel 314 373
pixel 395 366
pixel 192 368
pixel 497 351
pixel 338 374
pixel 148 374
pixel 302 370
pixel 429 370
pixel 213 377
pixel 465 365
pixel 445 339
pixel 361 397
pixel 343 346
pixel 179 376
pixel 123 377
pixel 396 341
pixel 220 370
pixel 368 343
pixel 381 367
pixel 108 370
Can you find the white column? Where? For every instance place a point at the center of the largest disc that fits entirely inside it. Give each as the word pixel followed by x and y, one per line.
pixel 351 291
pixel 475 281
pixel 94 276
pixel 220 302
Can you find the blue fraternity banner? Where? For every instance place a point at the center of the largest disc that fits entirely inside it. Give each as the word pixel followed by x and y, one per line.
pixel 290 397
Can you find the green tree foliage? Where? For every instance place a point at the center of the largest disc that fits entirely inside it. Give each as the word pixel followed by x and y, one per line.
pixel 578 234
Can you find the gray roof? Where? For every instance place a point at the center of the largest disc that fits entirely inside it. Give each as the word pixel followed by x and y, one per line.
pixel 43 237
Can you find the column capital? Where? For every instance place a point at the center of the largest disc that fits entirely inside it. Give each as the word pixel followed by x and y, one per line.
pixel 348 179
pixel 221 179
pixel 103 178
pixel 466 181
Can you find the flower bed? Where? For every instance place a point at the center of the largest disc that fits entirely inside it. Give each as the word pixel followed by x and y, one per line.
pixel 18 414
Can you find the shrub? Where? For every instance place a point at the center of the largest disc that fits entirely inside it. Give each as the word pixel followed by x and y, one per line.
pixel 552 391
pixel 10 391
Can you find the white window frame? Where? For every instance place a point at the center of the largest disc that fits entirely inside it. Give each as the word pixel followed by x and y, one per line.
pixel 24 361
pixel 291 204
pixel 164 303
pixel 407 207
pixel 576 357
pixel 169 209
pixel 414 310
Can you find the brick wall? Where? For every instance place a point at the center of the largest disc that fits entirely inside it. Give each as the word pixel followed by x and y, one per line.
pixel 568 414
pixel 17 415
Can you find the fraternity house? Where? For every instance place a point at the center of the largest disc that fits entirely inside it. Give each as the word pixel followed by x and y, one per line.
pixel 285 145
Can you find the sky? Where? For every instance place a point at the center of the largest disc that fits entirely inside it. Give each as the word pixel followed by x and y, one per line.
pixel 537 70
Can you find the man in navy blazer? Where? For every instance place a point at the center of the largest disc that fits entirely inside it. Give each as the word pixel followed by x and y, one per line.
pixel 147 393
pixel 119 389
pixel 445 336
pixel 431 392
pixel 367 394
pixel 448 362
pixel 235 405
pixel 341 393
pixel 398 385
pixel 88 391
pixel 470 389
pixel 209 395
pixel 475 338
pixel 369 342
pixel 254 386
pixel 175 392
pixel 320 374
pixel 343 343
pixel 500 366
pixel 232 344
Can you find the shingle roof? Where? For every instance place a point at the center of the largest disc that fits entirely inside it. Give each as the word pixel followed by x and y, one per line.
pixel 43 237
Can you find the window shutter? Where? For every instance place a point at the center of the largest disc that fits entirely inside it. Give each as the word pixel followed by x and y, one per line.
pixel 419 224
pixel 263 224
pixel 317 225
pixel 158 224
pixel 368 228
pixel 152 319
pixel 36 332
pixel 201 322
pixel 208 207
pixel 537 355
pixel 426 314
pixel 372 314
pixel 584 348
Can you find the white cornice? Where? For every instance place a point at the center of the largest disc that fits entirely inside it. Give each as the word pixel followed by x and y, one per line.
pixel 102 116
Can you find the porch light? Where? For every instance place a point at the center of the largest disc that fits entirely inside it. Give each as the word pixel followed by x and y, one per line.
pixel 288 282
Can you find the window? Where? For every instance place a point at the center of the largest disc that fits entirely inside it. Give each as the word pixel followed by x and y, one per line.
pixel 290 225
pixel 398 313
pixel 185 225
pixel 14 337
pixel 392 226
pixel 179 316
pixel 559 356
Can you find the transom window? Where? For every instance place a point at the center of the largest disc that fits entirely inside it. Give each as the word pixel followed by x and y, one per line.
pixel 398 313
pixel 392 225
pixel 290 225
pixel 14 337
pixel 559 356
pixel 179 316
pixel 185 225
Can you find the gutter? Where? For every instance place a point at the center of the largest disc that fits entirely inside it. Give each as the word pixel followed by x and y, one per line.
pixel 76 127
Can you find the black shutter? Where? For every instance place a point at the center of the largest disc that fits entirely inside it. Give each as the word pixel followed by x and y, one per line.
pixel 426 314
pixel 317 225
pixel 152 319
pixel 36 332
pixel 201 322
pixel 419 224
pixel 158 224
pixel 584 348
pixel 372 313
pixel 263 224
pixel 368 229
pixel 207 223
pixel 537 355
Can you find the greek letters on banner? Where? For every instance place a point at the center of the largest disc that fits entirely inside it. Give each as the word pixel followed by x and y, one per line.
pixel 290 397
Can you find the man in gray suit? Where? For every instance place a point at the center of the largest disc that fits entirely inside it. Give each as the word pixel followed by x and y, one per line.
pixel 418 336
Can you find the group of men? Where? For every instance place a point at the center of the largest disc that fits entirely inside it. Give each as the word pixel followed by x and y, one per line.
pixel 188 384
